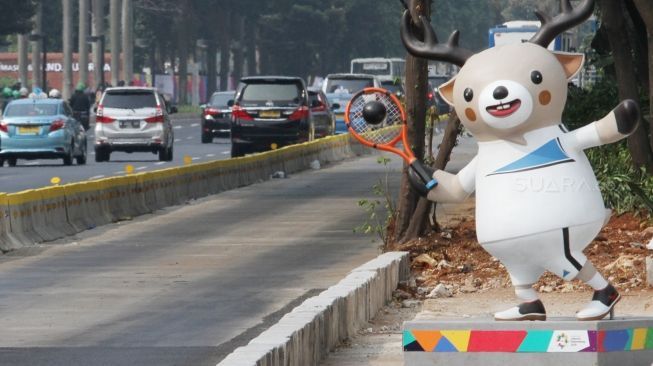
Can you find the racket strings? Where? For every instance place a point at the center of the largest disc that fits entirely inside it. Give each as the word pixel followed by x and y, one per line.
pixel 382 133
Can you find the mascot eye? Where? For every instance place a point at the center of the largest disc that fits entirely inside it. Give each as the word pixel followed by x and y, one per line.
pixel 536 77
pixel 468 94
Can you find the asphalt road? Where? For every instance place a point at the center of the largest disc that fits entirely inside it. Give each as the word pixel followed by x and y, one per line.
pixel 30 174
pixel 189 285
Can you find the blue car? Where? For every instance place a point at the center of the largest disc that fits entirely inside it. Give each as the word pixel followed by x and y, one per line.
pixel 41 129
pixel 342 99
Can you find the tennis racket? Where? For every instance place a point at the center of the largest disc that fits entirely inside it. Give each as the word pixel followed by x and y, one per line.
pixel 376 119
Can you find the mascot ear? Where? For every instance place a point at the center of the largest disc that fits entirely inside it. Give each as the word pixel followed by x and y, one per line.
pixel 446 91
pixel 571 62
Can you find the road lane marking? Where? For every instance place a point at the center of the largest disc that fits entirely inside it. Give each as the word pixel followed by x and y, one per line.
pixel 177 140
pixel 189 138
pixel 119 172
pixel 210 155
pixel 178 127
pixel 226 152
pixel 195 125
pixel 196 158
pixel 96 177
pixel 160 163
pixel 141 168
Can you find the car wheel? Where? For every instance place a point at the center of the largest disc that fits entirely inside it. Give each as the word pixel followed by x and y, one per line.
pixel 238 150
pixel 81 159
pixel 2 163
pixel 101 155
pixel 68 159
pixel 163 154
pixel 207 138
pixel 12 162
pixel 170 153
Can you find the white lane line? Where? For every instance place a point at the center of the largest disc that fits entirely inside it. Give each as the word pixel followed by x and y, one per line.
pixel 177 140
pixel 226 152
pixel 96 177
pixel 189 138
pixel 178 127
pixel 141 168
pixel 196 158
pixel 120 172
pixel 160 163
pixel 195 125
pixel 210 155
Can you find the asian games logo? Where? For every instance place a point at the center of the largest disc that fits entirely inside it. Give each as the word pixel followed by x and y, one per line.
pixel 562 340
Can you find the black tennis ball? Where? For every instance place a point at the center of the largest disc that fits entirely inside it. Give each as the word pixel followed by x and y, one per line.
pixel 374 112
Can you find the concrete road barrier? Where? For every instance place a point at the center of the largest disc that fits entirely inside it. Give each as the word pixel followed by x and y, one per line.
pixel 309 332
pixel 51 213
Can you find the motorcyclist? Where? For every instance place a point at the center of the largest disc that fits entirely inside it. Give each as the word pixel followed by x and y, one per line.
pixel 81 105
pixel 24 92
pixel 54 94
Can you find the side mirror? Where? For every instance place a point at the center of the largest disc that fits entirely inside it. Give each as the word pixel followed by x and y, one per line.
pixel 230 103
pixel 174 110
pixel 95 108
pixel 335 106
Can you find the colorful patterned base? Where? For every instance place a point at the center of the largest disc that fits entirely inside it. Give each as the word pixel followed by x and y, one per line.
pixel 528 341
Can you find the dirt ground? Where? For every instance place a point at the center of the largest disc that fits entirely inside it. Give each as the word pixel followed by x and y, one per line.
pixel 477 285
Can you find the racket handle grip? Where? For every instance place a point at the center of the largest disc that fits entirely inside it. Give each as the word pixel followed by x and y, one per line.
pixel 424 174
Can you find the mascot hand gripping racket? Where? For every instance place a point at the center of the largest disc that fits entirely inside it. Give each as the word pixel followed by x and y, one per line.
pixel 537 200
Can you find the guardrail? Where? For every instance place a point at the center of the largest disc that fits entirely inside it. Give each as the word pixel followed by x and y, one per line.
pixel 47 214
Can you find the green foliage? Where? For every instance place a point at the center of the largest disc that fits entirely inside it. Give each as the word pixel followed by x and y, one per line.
pixel 624 188
pixel 588 105
pixel 380 211
pixel 15 16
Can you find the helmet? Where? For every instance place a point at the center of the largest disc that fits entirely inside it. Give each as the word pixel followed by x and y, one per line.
pixel 23 92
pixel 54 94
pixel 80 86
pixel 32 95
pixel 15 94
pixel 6 92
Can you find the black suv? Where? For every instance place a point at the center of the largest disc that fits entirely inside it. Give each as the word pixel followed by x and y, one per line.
pixel 269 112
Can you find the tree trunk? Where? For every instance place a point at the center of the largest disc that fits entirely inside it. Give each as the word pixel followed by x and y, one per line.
pixel 128 41
pixel 67 9
pixel 409 226
pixel 23 46
pixel 114 31
pixel 613 14
pixel 183 43
pixel 645 8
pixel 37 47
pixel 82 45
pixel 212 68
pixel 98 46
pixel 250 46
pixel 225 49
pixel 238 47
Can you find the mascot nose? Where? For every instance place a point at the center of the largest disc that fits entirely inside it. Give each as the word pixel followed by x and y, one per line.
pixel 501 92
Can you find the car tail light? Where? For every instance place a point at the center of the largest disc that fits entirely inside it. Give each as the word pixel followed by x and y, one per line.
pixel 104 119
pixel 320 108
pixel 431 96
pixel 157 118
pixel 300 113
pixel 209 111
pixel 4 127
pixel 57 125
pixel 239 113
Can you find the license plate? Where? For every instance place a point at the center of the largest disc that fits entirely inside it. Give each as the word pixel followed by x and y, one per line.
pixel 269 114
pixel 29 130
pixel 130 124
pixel 340 116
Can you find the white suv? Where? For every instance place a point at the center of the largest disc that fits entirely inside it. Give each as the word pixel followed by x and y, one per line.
pixel 133 119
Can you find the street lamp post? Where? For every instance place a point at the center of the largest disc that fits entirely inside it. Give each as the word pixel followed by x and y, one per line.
pixel 100 40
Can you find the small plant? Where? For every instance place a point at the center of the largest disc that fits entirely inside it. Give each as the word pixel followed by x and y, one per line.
pixel 380 211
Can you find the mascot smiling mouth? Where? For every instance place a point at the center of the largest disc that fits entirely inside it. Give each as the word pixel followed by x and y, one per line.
pixel 504 109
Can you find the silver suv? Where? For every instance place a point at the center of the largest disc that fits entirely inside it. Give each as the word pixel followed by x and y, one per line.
pixel 133 119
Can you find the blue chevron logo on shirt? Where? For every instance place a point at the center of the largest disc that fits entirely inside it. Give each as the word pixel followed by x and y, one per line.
pixel 546 155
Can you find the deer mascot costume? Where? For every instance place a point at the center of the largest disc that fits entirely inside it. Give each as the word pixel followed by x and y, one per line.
pixel 537 200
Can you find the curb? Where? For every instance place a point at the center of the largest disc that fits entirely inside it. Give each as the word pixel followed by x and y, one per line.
pixel 310 331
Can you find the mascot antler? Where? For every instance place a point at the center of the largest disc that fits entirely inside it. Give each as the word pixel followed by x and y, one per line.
pixel 431 49
pixel 569 18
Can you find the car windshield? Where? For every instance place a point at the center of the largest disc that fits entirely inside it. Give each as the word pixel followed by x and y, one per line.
pixel 129 99
pixel 393 87
pixel 32 109
pixel 350 86
pixel 221 100
pixel 271 94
